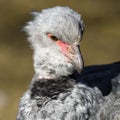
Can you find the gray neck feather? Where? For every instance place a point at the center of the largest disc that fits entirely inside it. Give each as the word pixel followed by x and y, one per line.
pixel 51 66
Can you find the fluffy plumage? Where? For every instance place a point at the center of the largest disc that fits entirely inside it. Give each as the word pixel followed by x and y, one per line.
pixel 48 59
pixel 57 90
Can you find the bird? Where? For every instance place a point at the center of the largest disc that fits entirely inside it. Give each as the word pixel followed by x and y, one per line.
pixel 61 87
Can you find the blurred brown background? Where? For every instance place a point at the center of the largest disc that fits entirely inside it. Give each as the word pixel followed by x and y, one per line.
pixel 100 45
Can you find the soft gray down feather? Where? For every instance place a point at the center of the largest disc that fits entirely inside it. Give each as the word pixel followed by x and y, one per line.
pixel 58 91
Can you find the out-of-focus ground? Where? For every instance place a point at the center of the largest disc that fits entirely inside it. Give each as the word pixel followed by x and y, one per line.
pixel 100 44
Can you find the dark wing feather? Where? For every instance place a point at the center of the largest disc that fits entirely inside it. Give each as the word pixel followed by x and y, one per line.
pixel 99 76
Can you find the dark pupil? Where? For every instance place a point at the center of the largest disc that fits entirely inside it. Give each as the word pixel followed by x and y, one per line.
pixel 54 38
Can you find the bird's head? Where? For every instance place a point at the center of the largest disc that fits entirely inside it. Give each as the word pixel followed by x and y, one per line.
pixel 55 35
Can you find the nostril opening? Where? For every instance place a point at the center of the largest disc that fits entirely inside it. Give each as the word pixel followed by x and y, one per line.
pixel 71 50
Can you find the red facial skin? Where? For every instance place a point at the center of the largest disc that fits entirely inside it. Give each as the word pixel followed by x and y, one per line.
pixel 64 47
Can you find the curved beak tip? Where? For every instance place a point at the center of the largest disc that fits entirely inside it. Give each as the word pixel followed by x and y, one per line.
pixel 79 66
